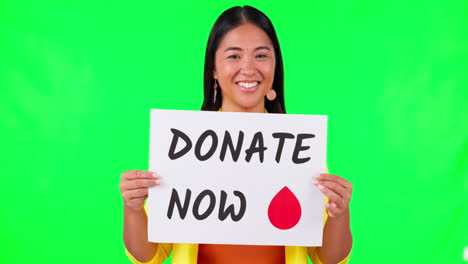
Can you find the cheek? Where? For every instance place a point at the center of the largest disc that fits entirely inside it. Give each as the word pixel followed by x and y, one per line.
pixel 227 71
pixel 269 72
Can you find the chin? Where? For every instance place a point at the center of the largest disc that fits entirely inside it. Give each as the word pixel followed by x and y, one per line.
pixel 250 105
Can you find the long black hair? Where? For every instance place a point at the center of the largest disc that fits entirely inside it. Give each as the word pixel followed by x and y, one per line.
pixel 229 19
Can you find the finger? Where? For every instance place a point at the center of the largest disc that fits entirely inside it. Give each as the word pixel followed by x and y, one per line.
pixel 337 188
pixel 336 178
pixel 136 184
pixel 135 194
pixel 139 174
pixel 331 177
pixel 332 196
pixel 139 183
pixel 332 209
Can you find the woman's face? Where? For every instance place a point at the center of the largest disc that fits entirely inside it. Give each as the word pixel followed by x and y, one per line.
pixel 245 68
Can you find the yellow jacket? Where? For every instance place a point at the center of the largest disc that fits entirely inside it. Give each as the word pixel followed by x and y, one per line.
pixel 188 253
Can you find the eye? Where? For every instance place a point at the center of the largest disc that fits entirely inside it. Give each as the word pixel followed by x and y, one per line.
pixel 234 56
pixel 261 56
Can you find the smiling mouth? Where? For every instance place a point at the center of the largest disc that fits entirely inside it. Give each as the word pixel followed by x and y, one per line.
pixel 248 86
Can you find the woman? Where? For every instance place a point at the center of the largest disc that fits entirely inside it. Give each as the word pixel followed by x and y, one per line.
pixel 243 73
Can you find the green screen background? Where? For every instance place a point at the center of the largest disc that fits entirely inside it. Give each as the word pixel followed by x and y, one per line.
pixel 77 81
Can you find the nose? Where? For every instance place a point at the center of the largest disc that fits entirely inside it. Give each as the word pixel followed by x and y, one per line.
pixel 248 66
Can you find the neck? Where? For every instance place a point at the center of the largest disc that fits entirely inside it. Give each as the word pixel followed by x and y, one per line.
pixel 226 107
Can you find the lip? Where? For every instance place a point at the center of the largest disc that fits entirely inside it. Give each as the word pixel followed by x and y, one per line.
pixel 250 89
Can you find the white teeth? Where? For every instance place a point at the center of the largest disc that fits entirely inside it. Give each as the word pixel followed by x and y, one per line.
pixel 248 85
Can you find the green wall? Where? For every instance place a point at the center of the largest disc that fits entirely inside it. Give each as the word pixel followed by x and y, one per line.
pixel 77 81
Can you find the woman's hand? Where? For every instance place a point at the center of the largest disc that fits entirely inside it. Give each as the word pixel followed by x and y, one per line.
pixel 338 191
pixel 134 187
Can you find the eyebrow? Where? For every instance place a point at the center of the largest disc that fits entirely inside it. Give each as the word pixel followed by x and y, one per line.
pixel 237 48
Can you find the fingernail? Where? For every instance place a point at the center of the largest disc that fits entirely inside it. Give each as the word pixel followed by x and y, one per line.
pixel 321 186
pixel 317 176
pixel 315 182
pixel 154 174
pixel 157 182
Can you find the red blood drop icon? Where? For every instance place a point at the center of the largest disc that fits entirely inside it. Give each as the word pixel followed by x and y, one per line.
pixel 284 210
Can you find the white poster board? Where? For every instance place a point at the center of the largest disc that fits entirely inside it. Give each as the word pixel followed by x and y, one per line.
pixel 236 178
